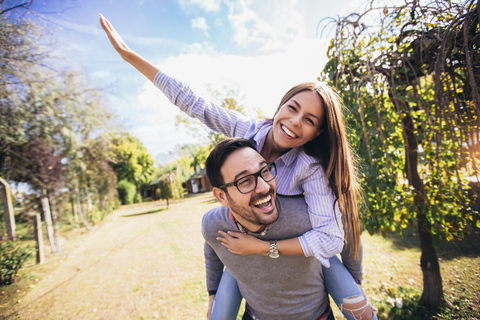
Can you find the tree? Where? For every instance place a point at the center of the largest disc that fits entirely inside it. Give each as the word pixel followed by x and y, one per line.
pixel 170 187
pixel 47 112
pixel 130 159
pixel 411 86
pixel 227 98
pixel 197 153
pixel 45 171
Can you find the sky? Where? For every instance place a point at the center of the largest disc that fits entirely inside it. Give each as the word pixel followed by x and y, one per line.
pixel 260 48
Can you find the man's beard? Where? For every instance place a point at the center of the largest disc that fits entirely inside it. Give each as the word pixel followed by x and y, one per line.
pixel 249 214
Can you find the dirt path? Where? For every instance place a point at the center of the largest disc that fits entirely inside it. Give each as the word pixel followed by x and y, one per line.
pixel 144 262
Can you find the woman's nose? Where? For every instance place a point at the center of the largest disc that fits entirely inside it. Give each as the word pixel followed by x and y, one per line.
pixel 295 121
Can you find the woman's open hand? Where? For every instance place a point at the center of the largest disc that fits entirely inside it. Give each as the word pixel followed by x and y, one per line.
pixel 243 244
pixel 115 39
pixel 148 69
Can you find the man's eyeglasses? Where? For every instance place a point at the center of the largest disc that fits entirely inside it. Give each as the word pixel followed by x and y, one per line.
pixel 249 183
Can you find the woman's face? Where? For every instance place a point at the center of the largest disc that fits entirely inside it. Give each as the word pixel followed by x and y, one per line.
pixel 298 121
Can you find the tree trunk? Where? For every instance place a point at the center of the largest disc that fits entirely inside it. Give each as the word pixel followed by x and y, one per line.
pixel 53 207
pixel 81 207
pixel 39 237
pixel 432 295
pixel 74 209
pixel 167 204
pixel 47 217
pixel 8 208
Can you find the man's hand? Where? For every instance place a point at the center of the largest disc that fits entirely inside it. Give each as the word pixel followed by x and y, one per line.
pixel 211 301
pixel 243 244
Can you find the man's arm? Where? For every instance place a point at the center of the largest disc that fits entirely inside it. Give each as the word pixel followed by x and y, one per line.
pixel 214 271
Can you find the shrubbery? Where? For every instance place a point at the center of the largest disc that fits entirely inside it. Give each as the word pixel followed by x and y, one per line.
pixel 12 258
pixel 138 198
pixel 126 191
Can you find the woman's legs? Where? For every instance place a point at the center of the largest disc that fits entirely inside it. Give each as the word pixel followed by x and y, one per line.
pixel 345 292
pixel 227 299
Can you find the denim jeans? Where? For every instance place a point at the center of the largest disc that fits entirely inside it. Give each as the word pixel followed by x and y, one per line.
pixel 341 285
pixel 227 300
pixel 338 282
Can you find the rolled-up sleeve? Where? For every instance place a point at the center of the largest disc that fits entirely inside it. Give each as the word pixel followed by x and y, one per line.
pixel 326 238
pixel 219 119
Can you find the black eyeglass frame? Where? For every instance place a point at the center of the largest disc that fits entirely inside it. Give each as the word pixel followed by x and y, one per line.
pixel 255 175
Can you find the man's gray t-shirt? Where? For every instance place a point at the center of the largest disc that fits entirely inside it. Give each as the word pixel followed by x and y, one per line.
pixel 289 287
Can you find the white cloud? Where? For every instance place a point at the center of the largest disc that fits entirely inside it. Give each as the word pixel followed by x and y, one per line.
pixel 270 24
pixel 201 24
pixel 207 5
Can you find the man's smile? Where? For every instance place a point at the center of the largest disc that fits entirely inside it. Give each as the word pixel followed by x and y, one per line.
pixel 264 203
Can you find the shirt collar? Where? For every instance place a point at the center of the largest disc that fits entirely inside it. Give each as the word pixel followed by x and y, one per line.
pixel 244 230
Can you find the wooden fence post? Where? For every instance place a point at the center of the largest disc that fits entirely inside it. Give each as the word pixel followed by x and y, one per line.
pixel 39 236
pixel 8 208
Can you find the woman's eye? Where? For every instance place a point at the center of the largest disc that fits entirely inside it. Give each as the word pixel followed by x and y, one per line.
pixel 310 121
pixel 292 108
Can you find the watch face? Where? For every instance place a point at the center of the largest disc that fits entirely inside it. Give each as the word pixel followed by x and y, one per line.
pixel 273 254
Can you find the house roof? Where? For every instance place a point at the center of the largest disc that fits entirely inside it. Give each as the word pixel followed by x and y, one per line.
pixel 200 174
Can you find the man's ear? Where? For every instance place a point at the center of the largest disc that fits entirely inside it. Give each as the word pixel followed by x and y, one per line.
pixel 221 196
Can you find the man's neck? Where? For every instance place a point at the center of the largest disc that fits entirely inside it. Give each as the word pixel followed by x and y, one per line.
pixel 249 227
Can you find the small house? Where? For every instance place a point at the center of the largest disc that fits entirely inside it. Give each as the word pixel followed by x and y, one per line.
pixel 198 182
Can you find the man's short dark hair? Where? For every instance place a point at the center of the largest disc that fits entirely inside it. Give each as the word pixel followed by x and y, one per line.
pixel 218 155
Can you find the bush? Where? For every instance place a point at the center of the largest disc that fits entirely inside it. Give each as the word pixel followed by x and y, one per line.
pixel 96 215
pixel 138 198
pixel 12 258
pixel 126 191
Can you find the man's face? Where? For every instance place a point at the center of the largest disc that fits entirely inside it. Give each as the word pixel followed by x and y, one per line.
pixel 256 208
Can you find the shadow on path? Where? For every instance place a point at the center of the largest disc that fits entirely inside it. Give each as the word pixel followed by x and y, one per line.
pixel 143 213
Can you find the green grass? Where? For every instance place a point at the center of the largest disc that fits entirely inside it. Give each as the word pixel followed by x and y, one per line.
pixel 146 262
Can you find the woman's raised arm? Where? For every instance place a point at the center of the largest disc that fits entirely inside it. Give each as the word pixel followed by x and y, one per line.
pixel 127 54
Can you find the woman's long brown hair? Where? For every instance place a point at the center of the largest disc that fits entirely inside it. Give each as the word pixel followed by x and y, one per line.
pixel 334 153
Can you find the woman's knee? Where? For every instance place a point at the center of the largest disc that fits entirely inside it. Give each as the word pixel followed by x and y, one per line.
pixel 358 306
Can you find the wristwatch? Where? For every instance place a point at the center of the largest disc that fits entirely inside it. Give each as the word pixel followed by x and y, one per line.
pixel 273 253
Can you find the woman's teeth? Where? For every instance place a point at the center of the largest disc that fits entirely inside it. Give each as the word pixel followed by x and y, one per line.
pixel 288 132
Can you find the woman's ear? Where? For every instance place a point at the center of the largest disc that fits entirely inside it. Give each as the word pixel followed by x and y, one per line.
pixel 317 134
pixel 221 196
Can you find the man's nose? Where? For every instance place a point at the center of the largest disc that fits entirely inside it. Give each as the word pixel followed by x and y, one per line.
pixel 262 186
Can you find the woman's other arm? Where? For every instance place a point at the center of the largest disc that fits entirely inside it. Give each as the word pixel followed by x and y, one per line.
pixel 245 244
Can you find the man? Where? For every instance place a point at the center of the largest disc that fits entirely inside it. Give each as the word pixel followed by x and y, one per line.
pixel 274 287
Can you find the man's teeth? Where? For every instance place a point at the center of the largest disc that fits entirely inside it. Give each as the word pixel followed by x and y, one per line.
pixel 262 201
pixel 288 132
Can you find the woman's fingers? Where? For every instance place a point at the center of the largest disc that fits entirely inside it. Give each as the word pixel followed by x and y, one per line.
pixel 113 35
pixel 230 234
